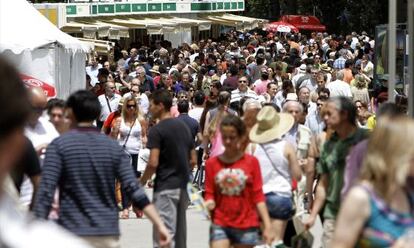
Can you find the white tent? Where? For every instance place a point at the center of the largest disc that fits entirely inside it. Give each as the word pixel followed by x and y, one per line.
pixel 39 49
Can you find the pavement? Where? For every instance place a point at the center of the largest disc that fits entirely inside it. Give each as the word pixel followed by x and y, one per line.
pixel 137 233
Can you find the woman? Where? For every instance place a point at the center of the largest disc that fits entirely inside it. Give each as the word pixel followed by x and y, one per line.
pixel 130 129
pixel 278 165
pixel 360 90
pixel 234 193
pixel 378 211
pixel 363 113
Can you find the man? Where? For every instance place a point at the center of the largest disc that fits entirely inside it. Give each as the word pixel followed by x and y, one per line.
pixel 300 137
pixel 108 124
pixel 304 97
pixel 231 82
pixel 171 146
pixel 270 95
pixel 56 113
pixel 311 83
pixel 339 87
pixel 314 120
pixel 109 103
pixel 17 228
pixel 93 69
pixel 191 123
pixel 260 85
pixel 84 164
pixel 348 77
pixel 198 106
pixel 40 132
pixel 341 114
pixel 147 84
pixel 242 91
pixel 141 96
pixel 367 67
pixel 301 71
pixel 133 57
pixel 339 63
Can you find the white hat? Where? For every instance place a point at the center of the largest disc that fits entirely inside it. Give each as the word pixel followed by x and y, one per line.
pixel 270 125
pixel 302 68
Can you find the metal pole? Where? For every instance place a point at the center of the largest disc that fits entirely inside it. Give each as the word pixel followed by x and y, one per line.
pixel 410 44
pixel 392 40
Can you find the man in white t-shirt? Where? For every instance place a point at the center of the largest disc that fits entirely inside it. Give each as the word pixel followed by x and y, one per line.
pixel 198 106
pixel 92 70
pixel 41 132
pixel 339 87
pixel 109 103
pixel 143 100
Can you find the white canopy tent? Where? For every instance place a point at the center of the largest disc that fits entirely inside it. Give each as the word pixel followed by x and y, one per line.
pixel 40 50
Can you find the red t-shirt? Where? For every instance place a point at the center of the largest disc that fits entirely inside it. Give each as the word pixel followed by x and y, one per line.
pixel 236 189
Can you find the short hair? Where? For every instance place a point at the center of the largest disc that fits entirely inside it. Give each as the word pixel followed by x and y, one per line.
pixel 296 103
pixel 54 103
pixel 269 85
pixel 344 104
pixel 233 70
pixel 12 93
pixel 183 106
pixel 199 97
pixel 348 63
pixel 223 97
pixel 85 105
pixel 236 122
pixel 162 96
pixel 340 75
pixel 323 91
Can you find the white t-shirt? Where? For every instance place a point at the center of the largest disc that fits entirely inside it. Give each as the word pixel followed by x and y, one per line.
pixel 339 88
pixel 43 133
pixel 112 102
pixel 196 113
pixel 133 144
pixel 93 73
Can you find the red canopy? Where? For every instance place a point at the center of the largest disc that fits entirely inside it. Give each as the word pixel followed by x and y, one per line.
pixel 30 81
pixel 282 27
pixel 304 22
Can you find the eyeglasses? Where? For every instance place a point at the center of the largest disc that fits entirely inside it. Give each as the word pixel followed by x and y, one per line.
pixel 131 106
pixel 191 90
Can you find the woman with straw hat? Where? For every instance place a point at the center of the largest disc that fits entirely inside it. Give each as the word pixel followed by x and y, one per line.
pixel 278 164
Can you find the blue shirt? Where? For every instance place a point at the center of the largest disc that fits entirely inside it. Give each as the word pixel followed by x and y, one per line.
pixel 84 164
pixel 339 63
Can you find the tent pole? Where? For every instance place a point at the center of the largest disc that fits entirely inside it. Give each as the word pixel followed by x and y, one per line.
pixel 392 40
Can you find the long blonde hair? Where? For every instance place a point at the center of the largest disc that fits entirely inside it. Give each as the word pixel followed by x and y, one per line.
pixel 137 114
pixel 390 155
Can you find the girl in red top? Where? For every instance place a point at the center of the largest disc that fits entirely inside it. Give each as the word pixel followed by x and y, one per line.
pixel 234 193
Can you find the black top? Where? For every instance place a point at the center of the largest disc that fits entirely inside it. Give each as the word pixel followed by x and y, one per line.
pixel 175 142
pixel 191 123
pixel 84 164
pixel 28 165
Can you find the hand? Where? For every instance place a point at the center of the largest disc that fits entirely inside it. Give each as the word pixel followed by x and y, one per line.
pixel 268 235
pixel 206 155
pixel 165 237
pixel 309 222
pixel 302 162
pixel 40 149
pixel 210 205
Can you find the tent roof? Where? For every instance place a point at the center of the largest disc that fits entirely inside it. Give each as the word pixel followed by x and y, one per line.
pixel 304 22
pixel 22 27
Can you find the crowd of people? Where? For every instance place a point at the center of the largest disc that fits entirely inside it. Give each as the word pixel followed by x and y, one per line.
pixel 283 125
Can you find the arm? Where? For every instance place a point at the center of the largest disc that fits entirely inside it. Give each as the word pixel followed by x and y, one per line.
pixel 319 202
pixel 355 210
pixel 309 170
pixel 290 154
pixel 209 187
pixel 35 180
pixel 151 166
pixel 144 127
pixel 115 130
pixel 268 235
pixel 193 158
pixel 51 173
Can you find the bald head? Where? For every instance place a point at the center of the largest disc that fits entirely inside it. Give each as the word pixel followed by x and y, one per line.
pixel 38 100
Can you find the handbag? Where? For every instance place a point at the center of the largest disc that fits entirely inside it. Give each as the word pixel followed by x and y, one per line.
pixel 284 176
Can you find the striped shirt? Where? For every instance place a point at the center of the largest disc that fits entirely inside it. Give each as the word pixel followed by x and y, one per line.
pixel 237 95
pixel 84 164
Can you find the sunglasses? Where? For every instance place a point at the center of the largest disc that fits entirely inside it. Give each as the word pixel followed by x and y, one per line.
pixel 191 90
pixel 135 91
pixel 131 106
pixel 242 81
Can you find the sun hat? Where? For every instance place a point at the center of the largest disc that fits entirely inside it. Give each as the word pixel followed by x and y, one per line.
pixel 270 125
pixel 155 69
pixel 291 97
pixel 325 68
pixel 302 68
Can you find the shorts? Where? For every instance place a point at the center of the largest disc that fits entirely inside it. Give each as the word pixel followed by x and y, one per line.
pixel 279 207
pixel 248 236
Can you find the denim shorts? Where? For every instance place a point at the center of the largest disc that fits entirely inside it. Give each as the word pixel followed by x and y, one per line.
pixel 279 207
pixel 248 236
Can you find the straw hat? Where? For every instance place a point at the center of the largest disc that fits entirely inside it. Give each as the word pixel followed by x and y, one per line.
pixel 291 97
pixel 325 68
pixel 155 69
pixel 270 125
